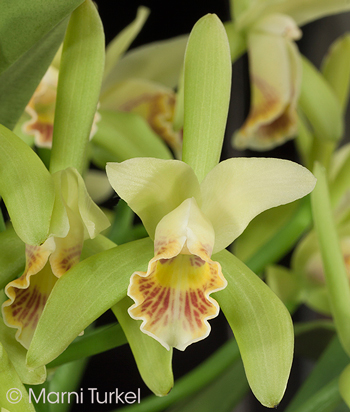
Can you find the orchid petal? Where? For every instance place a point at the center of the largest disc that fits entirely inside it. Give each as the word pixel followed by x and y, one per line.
pixel 28 294
pixel 262 327
pixel 41 108
pixel 122 41
pixel 26 187
pixel 153 187
pixel 336 68
pixel 305 11
pixel 207 85
pixel 152 101
pixel 275 71
pixel 172 298
pixel 146 350
pixel 159 62
pixel 238 189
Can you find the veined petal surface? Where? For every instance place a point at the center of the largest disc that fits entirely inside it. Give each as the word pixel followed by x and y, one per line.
pixel 238 189
pixel 172 297
pixel 153 187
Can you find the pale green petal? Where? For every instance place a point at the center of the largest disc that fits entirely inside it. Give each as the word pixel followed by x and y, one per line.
pixel 238 189
pixel 262 327
pixel 122 41
pixel 147 351
pixel 12 387
pixel 17 353
pixel 336 68
pixel 82 295
pixel 320 104
pixel 159 62
pixel 26 187
pixel 344 385
pixel 82 63
pixel 207 85
pixel 153 187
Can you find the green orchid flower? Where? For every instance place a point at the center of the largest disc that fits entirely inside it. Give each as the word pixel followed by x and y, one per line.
pixel 276 71
pixel 133 84
pixel 75 218
pixel 189 221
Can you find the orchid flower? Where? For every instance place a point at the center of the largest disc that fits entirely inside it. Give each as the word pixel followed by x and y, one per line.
pixel 189 221
pixel 75 219
pixel 130 84
pixel 270 29
pixel 41 109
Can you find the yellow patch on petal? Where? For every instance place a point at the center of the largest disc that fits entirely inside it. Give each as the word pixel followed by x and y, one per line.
pixel 173 301
pixel 158 109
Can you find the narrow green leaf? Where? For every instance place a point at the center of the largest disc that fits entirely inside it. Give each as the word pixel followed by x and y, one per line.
pixel 33 20
pixel 262 326
pixel 17 354
pixel 152 359
pixel 207 84
pixel 11 387
pixel 335 271
pixel 189 384
pixel 320 104
pixel 127 135
pixel 19 81
pixel 222 395
pixel 344 385
pixel 78 89
pixel 82 295
pixel 12 257
pixel 26 187
pixel 283 240
pixel 122 223
pixel 336 69
pixel 91 343
pixel 325 400
pixel 122 41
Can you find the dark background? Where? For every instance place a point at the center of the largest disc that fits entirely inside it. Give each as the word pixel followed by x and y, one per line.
pixel 117 368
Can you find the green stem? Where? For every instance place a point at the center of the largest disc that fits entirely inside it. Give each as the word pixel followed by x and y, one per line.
pixel 283 241
pixel 193 381
pixel 337 281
